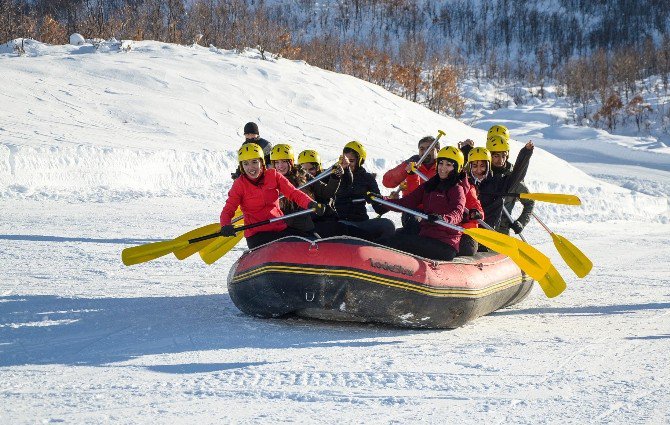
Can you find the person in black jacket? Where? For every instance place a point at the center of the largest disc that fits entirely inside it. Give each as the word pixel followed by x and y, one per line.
pixel 325 189
pixel 251 135
pixel 492 187
pixel 283 160
pixel 499 148
pixel 350 200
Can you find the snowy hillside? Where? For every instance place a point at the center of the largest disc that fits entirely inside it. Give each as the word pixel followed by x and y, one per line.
pixel 102 149
pixel 163 120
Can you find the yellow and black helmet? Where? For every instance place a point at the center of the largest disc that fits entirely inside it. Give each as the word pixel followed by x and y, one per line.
pixel 308 156
pixel 497 143
pixel 282 151
pixel 453 153
pixel 250 151
pixel 358 148
pixel 498 130
pixel 479 154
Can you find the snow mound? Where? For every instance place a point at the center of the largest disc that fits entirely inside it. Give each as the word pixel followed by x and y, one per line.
pixel 85 123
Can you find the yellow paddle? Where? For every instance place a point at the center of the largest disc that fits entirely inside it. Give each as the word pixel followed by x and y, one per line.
pixel 529 259
pixel 202 231
pixel 219 248
pixel 554 198
pixel 151 251
pixel 573 256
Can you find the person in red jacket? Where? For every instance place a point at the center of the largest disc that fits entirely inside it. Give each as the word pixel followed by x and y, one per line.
pixel 442 198
pixel 403 176
pixel 256 192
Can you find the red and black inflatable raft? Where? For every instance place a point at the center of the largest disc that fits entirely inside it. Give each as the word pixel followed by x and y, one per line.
pixel 354 280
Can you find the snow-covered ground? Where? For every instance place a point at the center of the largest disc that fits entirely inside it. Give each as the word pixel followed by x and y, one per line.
pixel 100 150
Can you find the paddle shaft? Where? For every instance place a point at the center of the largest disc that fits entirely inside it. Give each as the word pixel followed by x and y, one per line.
pixel 440 133
pixel 420 174
pixel 321 176
pixel 416 213
pixel 511 220
pixel 251 226
pixel 541 223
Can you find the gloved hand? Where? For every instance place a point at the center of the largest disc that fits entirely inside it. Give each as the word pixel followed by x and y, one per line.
pixel 319 209
pixel 228 230
pixel 434 217
pixel 475 215
pixel 516 226
pixel 370 195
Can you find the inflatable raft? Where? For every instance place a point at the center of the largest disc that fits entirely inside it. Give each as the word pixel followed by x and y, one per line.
pixel 351 279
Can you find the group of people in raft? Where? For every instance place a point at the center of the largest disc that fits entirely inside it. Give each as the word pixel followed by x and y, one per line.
pixel 465 184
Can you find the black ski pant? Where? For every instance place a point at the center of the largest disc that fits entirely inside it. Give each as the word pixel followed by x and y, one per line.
pixel 468 246
pixel 421 246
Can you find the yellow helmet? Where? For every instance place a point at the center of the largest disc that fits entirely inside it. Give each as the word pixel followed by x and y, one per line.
pixel 450 152
pixel 309 156
pixel 479 154
pixel 499 130
pixel 497 143
pixel 282 151
pixel 358 148
pixel 250 151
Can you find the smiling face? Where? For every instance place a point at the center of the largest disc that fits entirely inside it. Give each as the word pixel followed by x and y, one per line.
pixel 283 166
pixel 431 155
pixel 444 168
pixel 478 169
pixel 499 159
pixel 252 167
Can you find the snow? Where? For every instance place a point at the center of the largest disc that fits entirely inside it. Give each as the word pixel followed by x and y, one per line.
pixel 107 148
pixel 77 39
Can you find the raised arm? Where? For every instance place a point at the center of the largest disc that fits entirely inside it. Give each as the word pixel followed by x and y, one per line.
pixel 520 167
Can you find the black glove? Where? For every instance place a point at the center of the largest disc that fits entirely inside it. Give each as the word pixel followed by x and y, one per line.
pixel 516 226
pixel 319 209
pixel 370 195
pixel 475 215
pixel 228 230
pixel 434 217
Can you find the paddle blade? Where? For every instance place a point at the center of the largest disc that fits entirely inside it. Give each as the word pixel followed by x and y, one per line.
pixel 495 241
pixel 539 267
pixel 219 248
pixel 573 257
pixel 150 251
pixel 530 260
pixel 196 233
pixel 552 283
pixel 554 198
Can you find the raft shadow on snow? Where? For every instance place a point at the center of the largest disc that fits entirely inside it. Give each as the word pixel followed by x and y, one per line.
pixel 665 336
pixel 587 310
pixel 46 238
pixel 96 331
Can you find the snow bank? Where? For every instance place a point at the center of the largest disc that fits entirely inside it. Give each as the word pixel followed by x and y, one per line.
pixel 86 123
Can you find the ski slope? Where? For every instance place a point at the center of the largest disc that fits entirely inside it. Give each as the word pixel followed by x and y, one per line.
pixel 104 149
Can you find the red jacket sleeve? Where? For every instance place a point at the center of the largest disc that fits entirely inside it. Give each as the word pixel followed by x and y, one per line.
pixel 233 201
pixel 393 177
pixel 472 202
pixel 287 189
